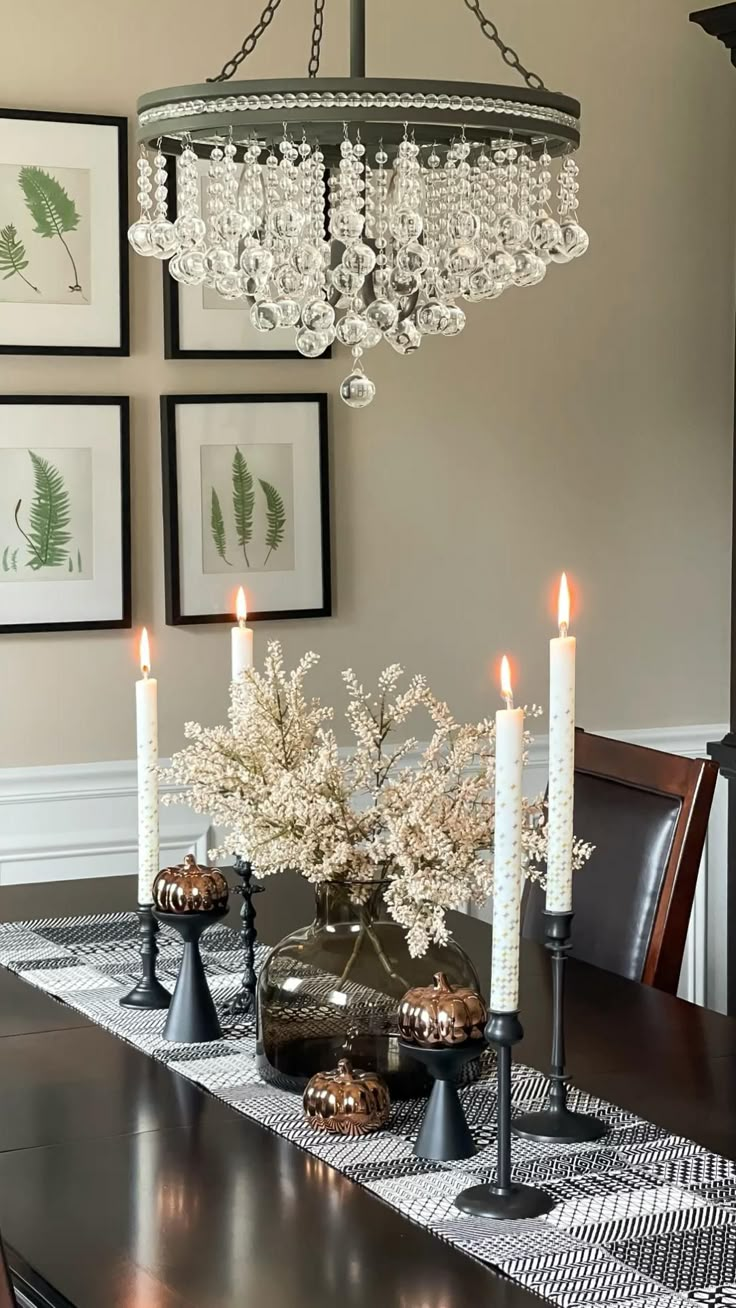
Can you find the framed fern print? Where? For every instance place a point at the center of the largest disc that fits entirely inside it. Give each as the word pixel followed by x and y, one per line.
pixel 246 502
pixel 64 513
pixel 63 222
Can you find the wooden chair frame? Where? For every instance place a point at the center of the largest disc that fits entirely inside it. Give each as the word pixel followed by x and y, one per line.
pixel 692 781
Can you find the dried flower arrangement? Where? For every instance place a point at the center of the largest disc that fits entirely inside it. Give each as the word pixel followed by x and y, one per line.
pixel 290 798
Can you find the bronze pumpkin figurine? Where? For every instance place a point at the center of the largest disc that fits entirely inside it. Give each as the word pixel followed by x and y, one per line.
pixel 347 1102
pixel 190 888
pixel 441 1014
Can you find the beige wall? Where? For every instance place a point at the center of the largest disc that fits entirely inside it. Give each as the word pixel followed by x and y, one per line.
pixel 585 424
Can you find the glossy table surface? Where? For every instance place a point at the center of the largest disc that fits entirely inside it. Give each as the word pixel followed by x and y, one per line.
pixel 124 1186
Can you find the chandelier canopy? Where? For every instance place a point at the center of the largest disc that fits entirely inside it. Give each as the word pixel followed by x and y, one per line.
pixel 358 209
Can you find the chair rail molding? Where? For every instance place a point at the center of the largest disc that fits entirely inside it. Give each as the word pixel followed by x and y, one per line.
pixel 72 821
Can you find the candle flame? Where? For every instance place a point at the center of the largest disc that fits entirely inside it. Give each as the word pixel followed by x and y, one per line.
pixel 241 607
pixel 145 653
pixel 563 606
pixel 507 691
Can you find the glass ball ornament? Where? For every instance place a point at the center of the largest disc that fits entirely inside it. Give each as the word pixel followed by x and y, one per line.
pixel 359 258
pixel 373 335
pixel 545 233
pixel 463 258
pixel 482 285
pixel 219 261
pixel 346 225
pixel 289 281
pixel 382 282
pixel 163 239
pixel 575 239
pixel 290 312
pixel 308 259
pixel 285 222
pixel 530 269
pixel 405 224
pixel 188 268
pixel 265 315
pixel 412 258
pixel 502 267
pixel 229 285
pixel 190 231
pixel 447 284
pixel 405 337
pixel 311 344
pixel 139 236
pixel 318 316
pixel 382 314
pixel 256 261
pixel 405 283
pixel 512 232
pixel 351 329
pixel 346 282
pixel 357 390
pixel 229 224
pixel 464 226
pixel 455 321
pixel 432 317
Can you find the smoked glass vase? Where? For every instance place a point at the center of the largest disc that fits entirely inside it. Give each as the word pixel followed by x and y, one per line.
pixel 332 989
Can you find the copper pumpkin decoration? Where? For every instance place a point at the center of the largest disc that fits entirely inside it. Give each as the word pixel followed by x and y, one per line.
pixel 441 1014
pixel 347 1102
pixel 190 889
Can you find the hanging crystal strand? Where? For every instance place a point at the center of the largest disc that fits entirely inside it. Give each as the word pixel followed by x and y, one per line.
pixel 218 258
pixel 229 225
pixel 483 285
pixel 139 233
pixel 162 234
pixel 544 233
pixel 432 226
pixel 432 316
pixel 574 238
pixel 347 225
pixel 464 254
pixel 317 317
pixel 255 261
pixel 502 263
pixel 188 265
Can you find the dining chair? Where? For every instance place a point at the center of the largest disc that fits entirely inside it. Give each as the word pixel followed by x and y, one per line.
pixel 646 812
pixel 7 1293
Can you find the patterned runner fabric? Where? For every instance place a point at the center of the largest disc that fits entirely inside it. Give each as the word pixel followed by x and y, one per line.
pixel 642 1218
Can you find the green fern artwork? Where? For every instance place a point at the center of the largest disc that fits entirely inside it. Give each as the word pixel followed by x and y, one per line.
pixel 46 531
pixel 244 499
pixel 275 518
pixel 217 527
pixel 13 259
pixel 53 211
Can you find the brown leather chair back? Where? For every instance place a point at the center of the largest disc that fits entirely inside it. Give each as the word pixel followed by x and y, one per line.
pixel 646 812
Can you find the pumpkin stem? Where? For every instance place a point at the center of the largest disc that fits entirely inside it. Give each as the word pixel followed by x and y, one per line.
pixel 441 982
pixel 345 1067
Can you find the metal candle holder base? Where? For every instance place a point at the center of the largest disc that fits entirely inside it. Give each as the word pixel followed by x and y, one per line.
pixel 244 999
pixel 444 1134
pixel 192 1016
pixel 148 992
pixel 557 1122
pixel 504 1200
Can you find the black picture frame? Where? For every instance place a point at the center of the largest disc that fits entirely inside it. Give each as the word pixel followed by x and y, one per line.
pixel 125 621
pixel 172 322
pixel 175 615
pixel 122 350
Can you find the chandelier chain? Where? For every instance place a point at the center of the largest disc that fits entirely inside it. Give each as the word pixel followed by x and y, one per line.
pixel 508 54
pixel 319 18
pixel 249 44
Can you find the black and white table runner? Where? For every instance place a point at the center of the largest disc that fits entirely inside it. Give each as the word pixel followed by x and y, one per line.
pixel 642 1218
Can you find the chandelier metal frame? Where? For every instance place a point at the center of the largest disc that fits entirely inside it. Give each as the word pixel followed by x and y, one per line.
pixel 437 112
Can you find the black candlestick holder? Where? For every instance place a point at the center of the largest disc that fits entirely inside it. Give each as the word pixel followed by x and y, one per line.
pixel 192 1016
pixel 504 1199
pixel 148 991
pixel 556 1121
pixel 244 999
pixel 444 1134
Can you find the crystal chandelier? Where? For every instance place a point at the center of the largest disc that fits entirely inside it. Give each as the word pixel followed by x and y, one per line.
pixel 358 209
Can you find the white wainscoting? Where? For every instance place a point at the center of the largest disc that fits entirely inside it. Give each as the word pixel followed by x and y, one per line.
pixel 67 822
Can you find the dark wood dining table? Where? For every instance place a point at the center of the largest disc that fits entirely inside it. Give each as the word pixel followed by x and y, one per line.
pixel 124 1186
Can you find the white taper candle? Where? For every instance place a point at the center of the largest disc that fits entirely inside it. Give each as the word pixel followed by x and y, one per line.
pixel 561 760
pixel 507 852
pixel 242 639
pixel 146 704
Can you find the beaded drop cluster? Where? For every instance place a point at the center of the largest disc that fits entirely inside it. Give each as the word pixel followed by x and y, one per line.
pixel 380 249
